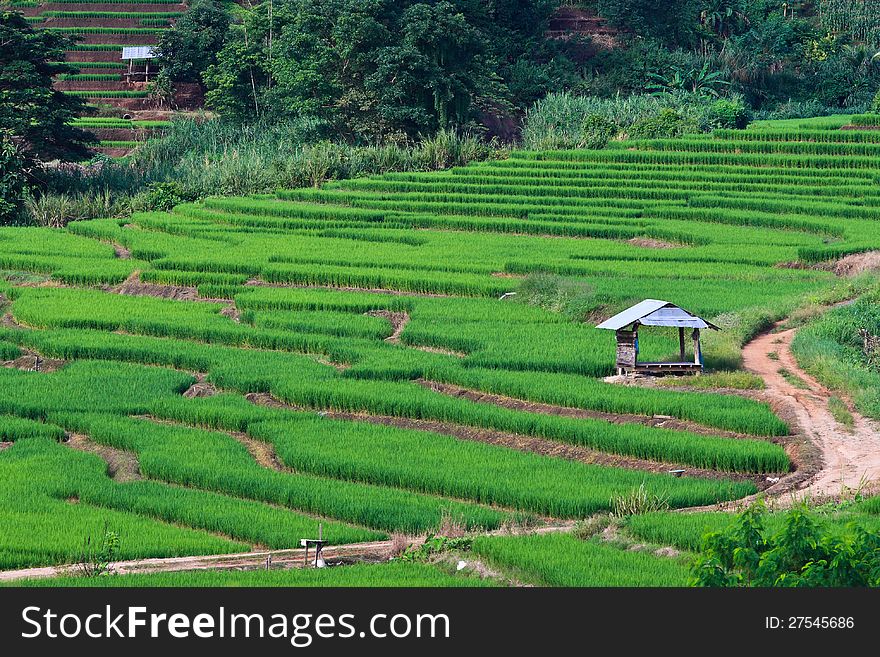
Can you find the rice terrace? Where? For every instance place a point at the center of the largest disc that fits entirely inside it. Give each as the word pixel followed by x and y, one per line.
pixel 370 356
pixel 521 294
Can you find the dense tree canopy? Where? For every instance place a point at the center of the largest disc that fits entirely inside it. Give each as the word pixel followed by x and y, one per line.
pixel 806 552
pixel 395 69
pixel 33 116
pixel 186 52
pixel 373 68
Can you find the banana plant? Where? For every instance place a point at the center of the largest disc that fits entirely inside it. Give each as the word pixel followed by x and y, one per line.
pixel 703 81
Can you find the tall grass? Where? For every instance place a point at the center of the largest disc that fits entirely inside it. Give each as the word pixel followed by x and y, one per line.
pixel 209 157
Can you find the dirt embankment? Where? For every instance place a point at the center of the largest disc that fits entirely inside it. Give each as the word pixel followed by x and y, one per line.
pixel 122 466
pixel 519 442
pixel 135 287
pixel 857 263
pixel 31 361
pixel 201 388
pixel 398 321
pixel 846 459
pixel 658 421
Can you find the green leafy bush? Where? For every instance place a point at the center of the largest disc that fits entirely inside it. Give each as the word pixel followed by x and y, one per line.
pixel 161 197
pixel 730 114
pixel 666 125
pixel 597 131
pixel 806 552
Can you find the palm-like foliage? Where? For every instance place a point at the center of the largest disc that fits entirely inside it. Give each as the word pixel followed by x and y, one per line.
pixel 703 81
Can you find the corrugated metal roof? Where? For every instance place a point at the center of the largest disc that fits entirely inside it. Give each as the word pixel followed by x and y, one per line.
pixel 138 52
pixel 654 312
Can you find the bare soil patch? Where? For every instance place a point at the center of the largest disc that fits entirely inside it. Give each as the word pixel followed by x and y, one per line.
pixel 438 350
pixel 121 252
pixel 8 321
pixel 31 361
pixel 398 321
pixel 651 243
pixel 857 263
pixel 232 313
pixel 135 287
pixel 263 452
pixel 201 388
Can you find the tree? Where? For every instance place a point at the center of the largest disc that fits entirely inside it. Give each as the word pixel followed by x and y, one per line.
pixel 34 118
pixel 187 50
pixel 437 75
pixel 12 180
pixel 674 22
pixel 806 552
pixel 32 114
pixel 238 81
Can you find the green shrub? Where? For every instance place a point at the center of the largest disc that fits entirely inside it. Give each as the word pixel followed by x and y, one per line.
pixel 729 114
pixel 597 131
pixel 806 552
pixel 161 197
pixel 666 125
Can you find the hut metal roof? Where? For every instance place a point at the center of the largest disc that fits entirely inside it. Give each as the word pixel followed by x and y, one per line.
pixel 138 52
pixel 654 312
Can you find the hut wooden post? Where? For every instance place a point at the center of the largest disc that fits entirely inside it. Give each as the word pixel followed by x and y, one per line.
pixel 627 356
pixel 698 356
pixel 681 344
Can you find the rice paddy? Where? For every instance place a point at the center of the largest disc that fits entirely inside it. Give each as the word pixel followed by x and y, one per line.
pixel 365 356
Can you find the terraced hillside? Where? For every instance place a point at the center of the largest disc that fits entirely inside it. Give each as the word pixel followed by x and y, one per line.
pixel 229 374
pixel 101 30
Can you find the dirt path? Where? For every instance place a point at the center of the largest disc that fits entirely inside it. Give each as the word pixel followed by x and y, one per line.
pixel 849 457
pixel 120 251
pixel 375 551
pixel 293 558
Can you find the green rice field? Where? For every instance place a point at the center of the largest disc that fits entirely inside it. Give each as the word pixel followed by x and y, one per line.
pixel 370 356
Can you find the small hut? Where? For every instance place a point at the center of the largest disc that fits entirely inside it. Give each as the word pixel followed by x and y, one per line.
pixel 134 55
pixel 654 312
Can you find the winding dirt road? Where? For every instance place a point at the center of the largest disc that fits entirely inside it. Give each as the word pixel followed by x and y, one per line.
pixel 850 457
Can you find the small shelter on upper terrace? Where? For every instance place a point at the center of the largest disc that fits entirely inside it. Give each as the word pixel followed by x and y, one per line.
pixel 134 55
pixel 654 312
